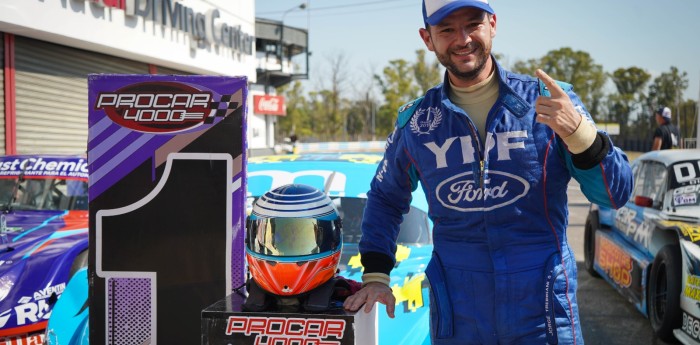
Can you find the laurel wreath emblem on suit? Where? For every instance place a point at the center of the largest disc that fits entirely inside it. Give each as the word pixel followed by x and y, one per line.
pixel 421 125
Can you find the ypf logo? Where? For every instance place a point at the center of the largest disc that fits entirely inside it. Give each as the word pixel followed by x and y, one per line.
pixel 156 107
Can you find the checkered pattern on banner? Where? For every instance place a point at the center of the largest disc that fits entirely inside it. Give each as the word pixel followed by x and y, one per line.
pixel 223 108
pixel 129 319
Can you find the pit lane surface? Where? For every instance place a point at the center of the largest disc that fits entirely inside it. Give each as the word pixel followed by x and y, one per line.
pixel 606 317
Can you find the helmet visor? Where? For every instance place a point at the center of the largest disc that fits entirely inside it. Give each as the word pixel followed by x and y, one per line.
pixel 292 236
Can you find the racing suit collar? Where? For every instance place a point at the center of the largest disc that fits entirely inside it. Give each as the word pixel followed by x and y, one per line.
pixel 507 96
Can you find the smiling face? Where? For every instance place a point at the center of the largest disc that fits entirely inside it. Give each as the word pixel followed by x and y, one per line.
pixel 462 43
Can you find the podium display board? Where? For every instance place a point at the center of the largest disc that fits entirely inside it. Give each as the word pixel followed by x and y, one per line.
pixel 224 323
pixel 167 203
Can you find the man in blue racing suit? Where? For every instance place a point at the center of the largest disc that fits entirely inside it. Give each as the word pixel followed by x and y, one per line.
pixel 494 152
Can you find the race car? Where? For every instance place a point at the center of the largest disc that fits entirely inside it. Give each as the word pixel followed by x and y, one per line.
pixel 345 177
pixel 43 239
pixel 648 249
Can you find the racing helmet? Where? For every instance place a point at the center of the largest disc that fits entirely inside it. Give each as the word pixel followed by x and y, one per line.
pixel 293 240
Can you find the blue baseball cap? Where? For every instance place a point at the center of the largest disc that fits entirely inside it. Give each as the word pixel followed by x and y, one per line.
pixel 434 11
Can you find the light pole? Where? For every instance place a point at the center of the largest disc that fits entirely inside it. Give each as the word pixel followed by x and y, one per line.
pixel 301 6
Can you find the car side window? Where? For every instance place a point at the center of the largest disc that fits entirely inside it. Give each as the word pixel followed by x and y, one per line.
pixel 638 173
pixel 651 181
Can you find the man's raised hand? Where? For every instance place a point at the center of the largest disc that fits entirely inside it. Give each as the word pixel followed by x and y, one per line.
pixel 556 111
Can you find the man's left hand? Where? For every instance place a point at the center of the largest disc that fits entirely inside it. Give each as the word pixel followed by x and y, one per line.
pixel 556 111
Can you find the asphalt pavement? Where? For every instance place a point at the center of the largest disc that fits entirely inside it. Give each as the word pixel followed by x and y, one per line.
pixel 607 318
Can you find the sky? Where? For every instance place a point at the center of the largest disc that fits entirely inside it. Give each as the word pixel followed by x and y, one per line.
pixel 649 34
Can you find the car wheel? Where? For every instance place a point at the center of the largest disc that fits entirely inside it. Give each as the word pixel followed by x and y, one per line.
pixel 664 292
pixel 589 243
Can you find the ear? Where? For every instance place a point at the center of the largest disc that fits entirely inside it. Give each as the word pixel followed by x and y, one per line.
pixel 425 35
pixel 492 21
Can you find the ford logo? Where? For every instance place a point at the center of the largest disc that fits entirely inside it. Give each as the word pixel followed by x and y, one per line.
pixel 462 193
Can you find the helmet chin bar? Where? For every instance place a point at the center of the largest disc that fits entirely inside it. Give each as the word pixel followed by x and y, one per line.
pixel 328 296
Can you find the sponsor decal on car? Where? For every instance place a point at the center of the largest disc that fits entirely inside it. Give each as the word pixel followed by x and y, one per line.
pixel 26 313
pixel 616 263
pixel 692 287
pixel 44 167
pixel 625 220
pixel 691 326
pixel 411 291
pixel 24 339
pixel 690 232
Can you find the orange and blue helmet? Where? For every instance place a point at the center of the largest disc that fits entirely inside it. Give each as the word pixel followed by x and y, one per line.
pixel 293 240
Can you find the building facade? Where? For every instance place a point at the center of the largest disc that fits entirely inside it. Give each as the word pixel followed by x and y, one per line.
pixel 48 48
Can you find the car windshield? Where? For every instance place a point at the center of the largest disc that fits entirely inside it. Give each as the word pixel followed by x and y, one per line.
pixel 45 193
pixel 415 228
pixel 684 184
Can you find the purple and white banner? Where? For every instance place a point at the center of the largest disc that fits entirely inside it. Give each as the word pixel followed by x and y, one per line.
pixel 166 156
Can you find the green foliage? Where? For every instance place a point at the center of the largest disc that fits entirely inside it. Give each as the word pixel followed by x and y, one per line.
pixel 574 67
pixel 324 114
pixel 668 88
pixel 630 97
pixel 398 87
pixel 427 74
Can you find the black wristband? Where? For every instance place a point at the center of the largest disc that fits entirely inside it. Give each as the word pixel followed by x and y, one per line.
pixel 594 154
pixel 377 262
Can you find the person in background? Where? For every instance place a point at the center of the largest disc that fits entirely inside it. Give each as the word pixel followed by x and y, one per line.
pixel 494 152
pixel 666 135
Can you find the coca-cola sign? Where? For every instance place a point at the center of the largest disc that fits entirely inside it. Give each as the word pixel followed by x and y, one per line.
pixel 269 105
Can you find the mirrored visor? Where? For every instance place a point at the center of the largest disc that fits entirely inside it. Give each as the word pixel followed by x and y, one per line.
pixel 292 236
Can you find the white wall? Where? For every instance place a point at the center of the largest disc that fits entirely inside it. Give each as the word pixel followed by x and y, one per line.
pixel 84 25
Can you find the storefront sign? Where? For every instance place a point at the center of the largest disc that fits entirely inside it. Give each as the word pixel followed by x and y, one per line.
pixel 203 28
pixel 269 105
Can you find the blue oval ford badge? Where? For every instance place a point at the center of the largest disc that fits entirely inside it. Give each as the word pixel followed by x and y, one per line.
pixel 462 193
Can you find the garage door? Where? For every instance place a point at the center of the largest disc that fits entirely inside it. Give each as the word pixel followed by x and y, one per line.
pixel 52 97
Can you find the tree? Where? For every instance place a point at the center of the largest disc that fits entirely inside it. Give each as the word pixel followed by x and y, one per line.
pixel 427 74
pixel 297 119
pixel 574 67
pixel 398 87
pixel 327 109
pixel 667 90
pixel 630 83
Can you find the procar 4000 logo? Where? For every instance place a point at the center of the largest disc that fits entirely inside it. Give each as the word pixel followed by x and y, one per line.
pixel 156 107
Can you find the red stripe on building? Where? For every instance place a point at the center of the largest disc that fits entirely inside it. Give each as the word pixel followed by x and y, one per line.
pixel 10 101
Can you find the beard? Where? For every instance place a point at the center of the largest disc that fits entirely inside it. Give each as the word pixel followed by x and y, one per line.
pixel 481 54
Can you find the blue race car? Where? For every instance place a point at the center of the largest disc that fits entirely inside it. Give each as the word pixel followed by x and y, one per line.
pixel 345 177
pixel 43 239
pixel 649 248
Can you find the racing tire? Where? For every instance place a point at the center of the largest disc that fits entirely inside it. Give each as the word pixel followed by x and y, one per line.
pixel 664 293
pixel 589 243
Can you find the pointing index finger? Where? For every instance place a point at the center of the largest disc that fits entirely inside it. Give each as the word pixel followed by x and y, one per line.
pixel 554 89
